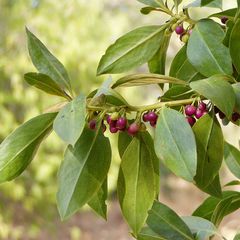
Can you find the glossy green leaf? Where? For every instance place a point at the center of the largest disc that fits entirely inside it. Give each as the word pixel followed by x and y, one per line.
pixel 158 61
pixel 200 227
pixel 142 42
pixel 45 83
pixel 232 159
pixel 236 89
pixel 229 13
pixel 182 69
pixel 167 224
pixel 82 171
pixel 98 201
pixel 209 138
pixel 70 121
pixel 232 183
pixel 206 51
pixel 19 148
pixel 213 188
pixel 123 141
pixel 177 93
pixel 217 89
pixel 206 209
pixel 147 10
pixel 234 45
pixel 136 180
pixel 175 144
pixel 222 208
pixel 142 79
pixel 229 25
pixel 148 234
pixel 46 63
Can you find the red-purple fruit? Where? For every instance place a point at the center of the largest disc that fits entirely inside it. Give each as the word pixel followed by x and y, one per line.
pixel 92 124
pixel 152 117
pixel 191 120
pixel 133 128
pixel 202 106
pixel 190 110
pixel 224 19
pixel 235 116
pixel 199 113
pixel 113 129
pixel 121 123
pixel 179 30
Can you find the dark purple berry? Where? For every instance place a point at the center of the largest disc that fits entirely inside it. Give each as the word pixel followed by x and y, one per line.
pixel 191 120
pixel 224 19
pixel 92 124
pixel 235 116
pixel 133 129
pixel 221 115
pixel 153 123
pixel 152 117
pixel 179 30
pixel 113 123
pixel 145 117
pixel 199 113
pixel 190 110
pixel 202 106
pixel 113 129
pixel 121 123
pixel 216 110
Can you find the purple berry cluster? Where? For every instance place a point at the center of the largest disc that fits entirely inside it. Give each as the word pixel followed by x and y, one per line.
pixel 235 116
pixel 116 124
pixel 192 113
pixel 150 117
pixel 184 34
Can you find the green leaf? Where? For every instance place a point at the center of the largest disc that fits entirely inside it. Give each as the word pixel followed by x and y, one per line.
pixel 45 83
pixel 205 3
pixel 70 121
pixel 98 201
pixel 200 227
pixel 142 79
pixel 237 237
pixel 232 159
pixel 83 171
pixel 148 234
pixel 152 3
pixel 205 50
pixel 232 183
pixel 178 155
pixel 229 13
pixel 136 182
pixel 214 188
pixel 229 25
pixel 158 61
pixel 222 208
pixel 217 89
pixel 234 45
pixel 236 89
pixel 147 10
pixel 46 63
pixel 19 148
pixel 123 141
pixel 167 224
pixel 207 208
pixel 142 42
pixel 182 69
pixel 209 138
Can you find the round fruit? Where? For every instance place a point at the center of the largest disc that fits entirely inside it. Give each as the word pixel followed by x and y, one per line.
pixel 199 113
pixel 92 124
pixel 184 38
pixel 190 110
pixel 191 120
pixel 202 106
pixel 235 116
pixel 113 129
pixel 121 123
pixel 153 123
pixel 224 19
pixel 179 30
pixel 145 117
pixel 133 129
pixel 152 117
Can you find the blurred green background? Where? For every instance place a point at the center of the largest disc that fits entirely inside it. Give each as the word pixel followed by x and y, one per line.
pixel 77 32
